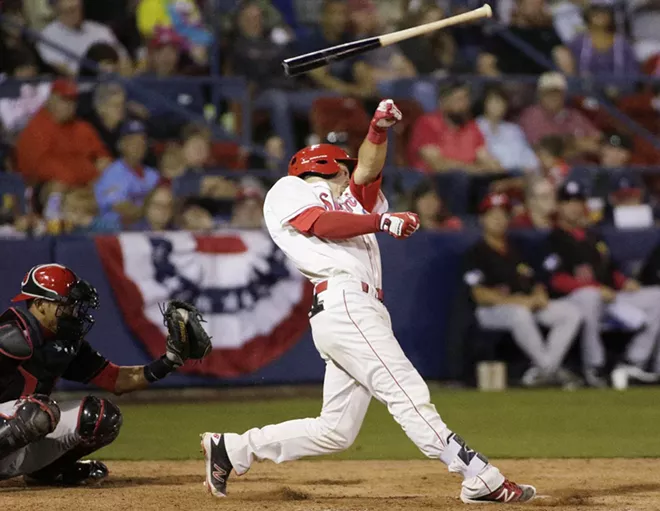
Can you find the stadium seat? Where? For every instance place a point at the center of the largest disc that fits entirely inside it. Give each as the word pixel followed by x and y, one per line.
pixel 340 114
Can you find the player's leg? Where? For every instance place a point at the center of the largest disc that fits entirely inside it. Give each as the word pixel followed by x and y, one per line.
pixel 520 322
pixel 84 427
pixel 345 403
pixel 564 321
pixel 590 304
pixel 22 423
pixel 371 354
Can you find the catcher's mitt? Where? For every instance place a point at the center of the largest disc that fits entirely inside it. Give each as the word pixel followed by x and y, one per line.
pixel 187 338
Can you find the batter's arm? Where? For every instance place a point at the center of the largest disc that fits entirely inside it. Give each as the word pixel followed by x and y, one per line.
pixel 373 151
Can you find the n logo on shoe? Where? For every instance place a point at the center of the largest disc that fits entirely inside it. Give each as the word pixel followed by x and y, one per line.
pixel 506 495
pixel 219 474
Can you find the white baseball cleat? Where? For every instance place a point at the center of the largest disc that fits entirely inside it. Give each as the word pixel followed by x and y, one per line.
pixel 216 462
pixel 479 489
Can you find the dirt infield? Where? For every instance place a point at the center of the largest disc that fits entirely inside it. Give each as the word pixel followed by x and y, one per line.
pixel 613 485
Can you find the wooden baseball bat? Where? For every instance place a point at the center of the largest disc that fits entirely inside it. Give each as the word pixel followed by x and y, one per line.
pixel 304 63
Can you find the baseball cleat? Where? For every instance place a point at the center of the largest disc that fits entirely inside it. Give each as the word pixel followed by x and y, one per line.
pixel 508 493
pixel 80 473
pixel 217 464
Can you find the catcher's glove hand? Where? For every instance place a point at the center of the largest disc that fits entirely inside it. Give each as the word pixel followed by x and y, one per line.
pixel 187 338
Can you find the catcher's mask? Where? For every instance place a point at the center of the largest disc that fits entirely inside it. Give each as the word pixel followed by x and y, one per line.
pixel 320 160
pixel 74 297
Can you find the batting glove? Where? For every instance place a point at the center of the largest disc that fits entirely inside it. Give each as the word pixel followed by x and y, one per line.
pixel 399 225
pixel 387 115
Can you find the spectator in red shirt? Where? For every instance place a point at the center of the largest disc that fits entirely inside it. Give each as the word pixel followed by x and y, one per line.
pixel 551 152
pixel 432 210
pixel 57 146
pixel 540 205
pixel 449 139
pixel 551 116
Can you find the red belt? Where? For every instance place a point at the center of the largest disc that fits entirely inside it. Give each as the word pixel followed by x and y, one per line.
pixel 323 286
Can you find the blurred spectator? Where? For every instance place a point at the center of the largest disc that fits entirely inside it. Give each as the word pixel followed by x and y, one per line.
pixel 626 208
pixel 615 150
pixel 57 146
pixel 253 54
pixel 449 139
pixel 382 64
pixel 164 54
pixel 248 206
pixel 532 24
pixel 126 182
pixel 540 205
pixel 15 113
pixel 80 214
pixel 158 212
pixel 190 153
pixel 38 13
pixel 645 20
pixel 435 53
pixel 551 116
pixel 582 270
pixel 504 140
pixel 649 275
pixel 627 190
pixel 337 77
pixel 105 56
pixel 73 33
pixel 15 48
pixel 195 216
pixel 601 51
pixel 432 210
pixel 183 18
pixel 551 153
pixel 510 297
pixel 108 113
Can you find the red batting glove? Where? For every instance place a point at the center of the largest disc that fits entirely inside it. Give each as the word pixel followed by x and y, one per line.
pixel 399 225
pixel 387 115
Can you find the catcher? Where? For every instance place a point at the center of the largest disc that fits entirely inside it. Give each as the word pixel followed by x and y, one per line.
pixel 40 439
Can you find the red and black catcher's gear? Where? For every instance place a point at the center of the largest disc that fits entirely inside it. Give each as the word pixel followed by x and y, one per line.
pixel 321 160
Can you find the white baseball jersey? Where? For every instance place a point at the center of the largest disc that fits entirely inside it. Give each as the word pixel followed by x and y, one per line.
pixel 319 259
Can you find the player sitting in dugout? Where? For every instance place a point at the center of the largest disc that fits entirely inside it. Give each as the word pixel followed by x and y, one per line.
pixel 510 298
pixel 39 438
pixel 582 271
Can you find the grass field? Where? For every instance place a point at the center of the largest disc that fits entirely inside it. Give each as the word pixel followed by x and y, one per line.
pixel 515 424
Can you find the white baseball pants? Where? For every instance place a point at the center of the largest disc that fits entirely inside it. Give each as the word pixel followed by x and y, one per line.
pixel 363 359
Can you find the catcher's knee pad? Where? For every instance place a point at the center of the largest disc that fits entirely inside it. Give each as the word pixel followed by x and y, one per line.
pixel 36 416
pixel 99 421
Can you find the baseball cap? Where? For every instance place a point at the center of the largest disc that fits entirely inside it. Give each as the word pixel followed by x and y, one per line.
pixel 494 200
pixel 165 37
pixel 132 127
pixel 552 81
pixel 571 190
pixel 65 88
pixel 615 139
pixel 627 185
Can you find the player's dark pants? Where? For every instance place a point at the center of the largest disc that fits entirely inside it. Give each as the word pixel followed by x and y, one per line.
pixel 84 427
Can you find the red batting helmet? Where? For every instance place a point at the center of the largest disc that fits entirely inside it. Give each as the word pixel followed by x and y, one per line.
pixel 48 281
pixel 320 160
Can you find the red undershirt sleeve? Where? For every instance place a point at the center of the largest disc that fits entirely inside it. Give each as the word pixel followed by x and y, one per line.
pixel 619 279
pixel 367 194
pixel 566 283
pixel 107 378
pixel 334 225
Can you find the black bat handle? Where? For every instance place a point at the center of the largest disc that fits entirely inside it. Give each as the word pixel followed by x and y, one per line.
pixel 298 65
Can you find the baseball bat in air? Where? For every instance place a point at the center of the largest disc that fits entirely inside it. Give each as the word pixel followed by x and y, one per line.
pixel 304 63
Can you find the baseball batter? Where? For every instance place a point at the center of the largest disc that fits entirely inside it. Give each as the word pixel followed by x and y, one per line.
pixel 324 216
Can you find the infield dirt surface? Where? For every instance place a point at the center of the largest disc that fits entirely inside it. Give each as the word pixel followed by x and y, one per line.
pixel 568 484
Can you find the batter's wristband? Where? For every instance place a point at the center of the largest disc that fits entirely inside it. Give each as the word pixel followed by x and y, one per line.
pixel 159 369
pixel 376 135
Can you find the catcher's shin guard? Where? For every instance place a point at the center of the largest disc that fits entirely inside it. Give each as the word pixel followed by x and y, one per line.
pixel 99 423
pixel 36 416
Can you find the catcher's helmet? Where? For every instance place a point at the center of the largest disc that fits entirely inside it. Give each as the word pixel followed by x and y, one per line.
pixel 47 281
pixel 320 160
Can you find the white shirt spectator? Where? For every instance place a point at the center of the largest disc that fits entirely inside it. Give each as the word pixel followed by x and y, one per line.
pixel 16 112
pixel 76 41
pixel 508 145
pixel 645 20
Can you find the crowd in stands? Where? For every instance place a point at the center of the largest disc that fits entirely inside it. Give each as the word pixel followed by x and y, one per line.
pixel 112 120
